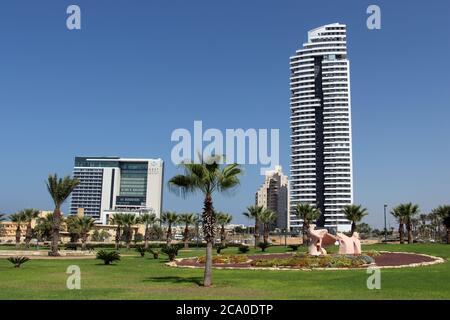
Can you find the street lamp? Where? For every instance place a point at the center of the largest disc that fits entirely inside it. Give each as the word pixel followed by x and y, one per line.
pixel 385 227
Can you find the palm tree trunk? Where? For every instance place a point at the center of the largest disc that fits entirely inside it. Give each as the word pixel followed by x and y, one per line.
pixel 305 235
pixel 83 242
pixel 400 233
pixel 353 227
pixel 169 235
pixel 448 235
pixel 18 232
pixel 186 236
pixel 208 233
pixel 256 233
pixel 146 238
pixel 55 232
pixel 266 233
pixel 410 232
pixel 222 236
pixel 117 238
pixel 28 235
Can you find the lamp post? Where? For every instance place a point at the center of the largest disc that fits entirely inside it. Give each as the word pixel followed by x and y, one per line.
pixel 385 227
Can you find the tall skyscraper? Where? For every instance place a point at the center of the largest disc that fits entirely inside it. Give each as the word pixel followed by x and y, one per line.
pixel 321 139
pixel 109 184
pixel 273 195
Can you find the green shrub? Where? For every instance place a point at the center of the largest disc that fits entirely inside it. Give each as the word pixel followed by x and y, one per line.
pixel 294 247
pixel 154 252
pixel 219 248
pixel 243 249
pixel 263 246
pixel 306 261
pixel 141 250
pixel 18 261
pixel 108 256
pixel 171 251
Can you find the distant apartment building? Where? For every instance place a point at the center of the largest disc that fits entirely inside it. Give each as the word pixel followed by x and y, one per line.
pixel 321 139
pixel 112 184
pixel 273 195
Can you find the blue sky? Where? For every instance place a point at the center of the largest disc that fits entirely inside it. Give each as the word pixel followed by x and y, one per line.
pixel 140 69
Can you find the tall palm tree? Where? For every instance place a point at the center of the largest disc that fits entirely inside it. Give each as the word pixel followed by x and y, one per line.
pixel 398 213
pixel 85 225
pixel 19 219
pixel 59 189
pixel 30 215
pixel 186 219
pixel 354 213
pixel 170 219
pixel 207 177
pixel 440 213
pixel 222 220
pixel 129 220
pixel 148 220
pixel 267 218
pixel 254 213
pixel 117 220
pixel 308 214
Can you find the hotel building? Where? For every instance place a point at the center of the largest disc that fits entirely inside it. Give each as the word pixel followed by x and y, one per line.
pixel 321 139
pixel 113 184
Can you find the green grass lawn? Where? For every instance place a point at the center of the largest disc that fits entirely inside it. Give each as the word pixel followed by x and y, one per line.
pixel 145 278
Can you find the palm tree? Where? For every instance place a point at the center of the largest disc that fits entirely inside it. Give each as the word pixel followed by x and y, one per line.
pixel 169 218
pixel 187 219
pixel 267 218
pixel 308 214
pixel 208 177
pixel 401 219
pixel 222 220
pixel 148 219
pixel 128 220
pixel 117 220
pixel 254 213
pixel 59 189
pixel 354 213
pixel 30 215
pixel 442 214
pixel 18 218
pixel 405 213
pixel 446 222
pixel 85 224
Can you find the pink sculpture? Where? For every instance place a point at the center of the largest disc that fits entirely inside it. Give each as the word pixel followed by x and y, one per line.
pixel 349 245
pixel 321 238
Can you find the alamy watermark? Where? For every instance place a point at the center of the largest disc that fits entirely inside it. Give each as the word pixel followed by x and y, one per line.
pixel 374 280
pixel 374 20
pixel 74 279
pixel 250 146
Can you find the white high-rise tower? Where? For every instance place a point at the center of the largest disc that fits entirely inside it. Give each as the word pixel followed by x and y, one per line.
pixel 321 138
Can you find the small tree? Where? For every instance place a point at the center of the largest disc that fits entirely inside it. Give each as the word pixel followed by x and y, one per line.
pixel 85 225
pixel 268 217
pixel 170 219
pixel 59 189
pixel 254 213
pixel 148 220
pixel 30 215
pixel 128 220
pixel 108 257
pixel 308 214
pixel 222 220
pixel 186 219
pixel 354 213
pixel 19 219
pixel 18 261
pixel 117 220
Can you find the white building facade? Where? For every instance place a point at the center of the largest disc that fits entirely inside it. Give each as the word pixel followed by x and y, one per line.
pixel 111 184
pixel 274 195
pixel 321 134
